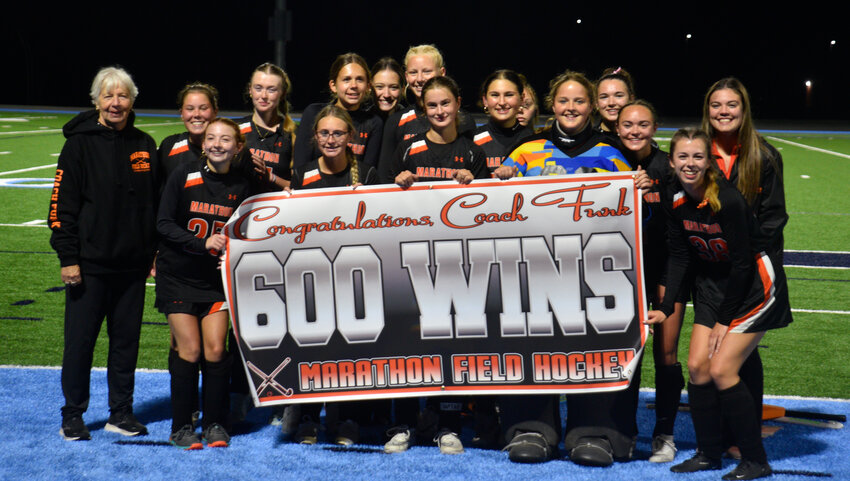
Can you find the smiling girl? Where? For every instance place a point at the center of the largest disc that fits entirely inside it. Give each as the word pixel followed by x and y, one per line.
pixel 269 130
pixel 571 145
pixel 350 84
pixel 188 288
pixel 198 104
pixel 614 90
pixel 739 294
pixel 501 98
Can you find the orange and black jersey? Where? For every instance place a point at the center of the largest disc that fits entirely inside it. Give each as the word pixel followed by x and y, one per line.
pixel 497 142
pixel 274 147
pixel 105 195
pixel 403 125
pixel 769 205
pixel 366 144
pixel 656 165
pixel 195 204
pixel 720 248
pixel 431 161
pixel 311 177
pixel 175 150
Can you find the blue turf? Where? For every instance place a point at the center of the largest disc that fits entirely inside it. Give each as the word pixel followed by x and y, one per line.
pixel 31 448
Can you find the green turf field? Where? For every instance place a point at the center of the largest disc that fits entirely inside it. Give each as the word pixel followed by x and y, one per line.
pixel 809 358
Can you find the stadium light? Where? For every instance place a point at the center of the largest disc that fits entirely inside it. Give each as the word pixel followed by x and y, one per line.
pixel 808 84
pixel 832 43
pixel 578 21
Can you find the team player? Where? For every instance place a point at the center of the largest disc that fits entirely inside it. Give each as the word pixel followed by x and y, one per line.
pixel 387 87
pixel 198 199
pixel 739 294
pixel 600 427
pixel 337 165
pixel 636 126
pixel 614 89
pixel 501 98
pixel 270 131
pixel 438 154
pixel 198 104
pixel 421 63
pixel 103 221
pixel 350 84
pixel 528 114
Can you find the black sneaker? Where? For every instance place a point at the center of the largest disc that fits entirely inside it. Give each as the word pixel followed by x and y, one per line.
pixel 348 433
pixel 186 438
pixel 74 429
pixel 592 452
pixel 216 436
pixel 528 447
pixel 307 433
pixel 747 469
pixel 700 462
pixel 125 423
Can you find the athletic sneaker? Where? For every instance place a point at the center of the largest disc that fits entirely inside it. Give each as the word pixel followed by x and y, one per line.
pixel 216 436
pixel 307 433
pixel 348 433
pixel 747 469
pixel 448 442
pixel 186 438
pixel 286 417
pixel 400 440
pixel 74 429
pixel 700 462
pixel 663 449
pixel 126 424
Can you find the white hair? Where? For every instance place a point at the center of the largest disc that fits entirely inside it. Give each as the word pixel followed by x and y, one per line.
pixel 108 78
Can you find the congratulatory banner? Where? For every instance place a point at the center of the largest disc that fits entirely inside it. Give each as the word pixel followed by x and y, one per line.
pixel 521 286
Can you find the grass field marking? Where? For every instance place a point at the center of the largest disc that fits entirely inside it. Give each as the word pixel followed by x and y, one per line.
pixel 808 311
pixel 809 147
pixel 800 266
pixel 57 131
pixel 818 252
pixel 36 222
pixel 28 169
pixel 23 225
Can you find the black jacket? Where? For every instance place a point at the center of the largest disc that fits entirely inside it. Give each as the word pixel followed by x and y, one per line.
pixel 105 194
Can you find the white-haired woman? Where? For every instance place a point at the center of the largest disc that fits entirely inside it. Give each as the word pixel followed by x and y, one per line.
pixel 103 217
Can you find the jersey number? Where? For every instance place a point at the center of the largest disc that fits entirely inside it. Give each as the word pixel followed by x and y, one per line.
pixel 201 228
pixel 713 251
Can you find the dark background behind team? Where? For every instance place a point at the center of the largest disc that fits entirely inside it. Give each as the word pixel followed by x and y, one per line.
pixel 51 52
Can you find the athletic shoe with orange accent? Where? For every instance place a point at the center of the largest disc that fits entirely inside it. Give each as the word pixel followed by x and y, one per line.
pixel 186 438
pixel 216 436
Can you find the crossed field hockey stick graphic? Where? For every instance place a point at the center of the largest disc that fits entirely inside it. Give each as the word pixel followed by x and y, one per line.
pixel 268 380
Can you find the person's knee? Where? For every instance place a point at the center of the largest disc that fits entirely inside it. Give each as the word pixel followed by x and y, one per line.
pixel 189 353
pixel 214 353
pixel 699 370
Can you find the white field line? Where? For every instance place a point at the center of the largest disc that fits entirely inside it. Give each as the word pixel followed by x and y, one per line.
pixel 809 311
pixel 817 267
pixel 56 131
pixel 28 169
pixel 809 147
pixel 817 252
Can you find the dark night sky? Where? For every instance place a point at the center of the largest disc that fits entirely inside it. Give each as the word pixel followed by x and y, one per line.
pixel 49 56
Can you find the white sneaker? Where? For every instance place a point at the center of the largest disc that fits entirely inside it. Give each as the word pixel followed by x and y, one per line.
pixel 663 449
pixel 449 443
pixel 400 441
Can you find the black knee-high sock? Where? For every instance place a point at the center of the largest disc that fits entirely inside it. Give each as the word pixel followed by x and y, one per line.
pixel 184 382
pixel 668 391
pixel 752 375
pixel 217 391
pixel 705 413
pixel 736 406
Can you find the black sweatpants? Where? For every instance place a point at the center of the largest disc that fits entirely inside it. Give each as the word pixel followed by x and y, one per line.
pixel 120 299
